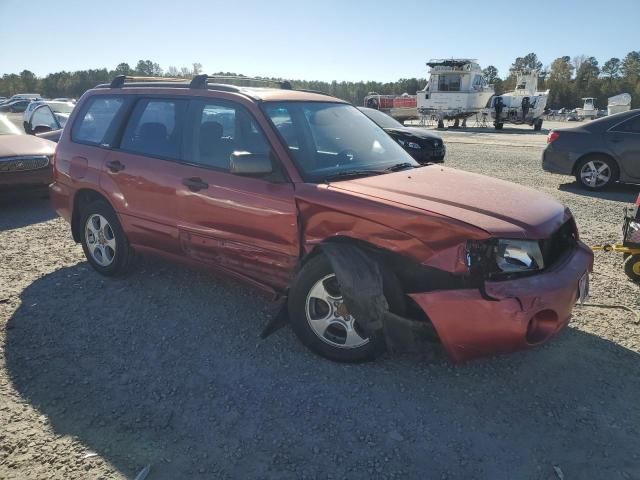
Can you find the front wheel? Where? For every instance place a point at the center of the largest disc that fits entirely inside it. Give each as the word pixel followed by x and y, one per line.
pixel 104 242
pixel 632 267
pixel 596 173
pixel 321 320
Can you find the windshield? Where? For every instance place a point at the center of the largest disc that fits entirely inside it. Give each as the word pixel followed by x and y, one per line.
pixel 382 119
pixel 329 140
pixel 61 107
pixel 7 127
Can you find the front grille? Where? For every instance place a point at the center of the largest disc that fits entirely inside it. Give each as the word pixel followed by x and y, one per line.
pixel 561 241
pixel 23 164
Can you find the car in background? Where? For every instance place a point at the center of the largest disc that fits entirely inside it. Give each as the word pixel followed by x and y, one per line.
pixel 60 110
pixel 421 144
pixel 15 106
pixel 26 96
pixel 598 153
pixel 25 160
pixel 44 123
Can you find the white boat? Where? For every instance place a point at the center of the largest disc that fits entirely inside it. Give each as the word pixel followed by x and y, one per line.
pixel 588 109
pixel 525 105
pixel 456 90
pixel 619 103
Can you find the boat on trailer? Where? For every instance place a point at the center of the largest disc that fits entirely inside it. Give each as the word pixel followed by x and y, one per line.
pixel 619 103
pixel 588 110
pixel 455 91
pixel 525 105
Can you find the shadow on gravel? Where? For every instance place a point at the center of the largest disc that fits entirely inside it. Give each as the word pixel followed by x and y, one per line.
pixel 620 192
pixel 20 211
pixel 165 367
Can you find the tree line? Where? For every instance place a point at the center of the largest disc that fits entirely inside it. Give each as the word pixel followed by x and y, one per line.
pixel 569 79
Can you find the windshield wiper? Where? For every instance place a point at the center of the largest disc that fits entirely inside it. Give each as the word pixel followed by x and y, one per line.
pixel 352 174
pixel 400 166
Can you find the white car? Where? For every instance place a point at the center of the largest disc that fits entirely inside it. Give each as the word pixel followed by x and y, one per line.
pixel 61 110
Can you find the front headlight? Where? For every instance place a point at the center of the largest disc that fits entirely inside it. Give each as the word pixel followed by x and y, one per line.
pixel 518 255
pixel 409 144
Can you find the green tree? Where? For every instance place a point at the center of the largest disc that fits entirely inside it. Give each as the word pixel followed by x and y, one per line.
pixel 490 74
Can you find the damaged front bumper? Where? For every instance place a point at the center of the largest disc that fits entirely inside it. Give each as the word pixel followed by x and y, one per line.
pixel 512 314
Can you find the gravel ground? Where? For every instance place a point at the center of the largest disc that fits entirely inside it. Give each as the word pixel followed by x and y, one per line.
pixel 100 377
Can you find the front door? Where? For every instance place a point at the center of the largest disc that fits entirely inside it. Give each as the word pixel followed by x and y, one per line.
pixel 624 141
pixel 244 224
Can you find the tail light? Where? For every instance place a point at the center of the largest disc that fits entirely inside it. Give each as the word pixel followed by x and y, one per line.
pixel 638 200
pixel 552 137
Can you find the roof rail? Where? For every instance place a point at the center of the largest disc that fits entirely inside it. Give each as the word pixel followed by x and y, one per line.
pixel 118 82
pixel 201 81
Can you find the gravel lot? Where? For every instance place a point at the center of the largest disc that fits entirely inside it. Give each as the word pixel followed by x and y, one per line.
pixel 100 377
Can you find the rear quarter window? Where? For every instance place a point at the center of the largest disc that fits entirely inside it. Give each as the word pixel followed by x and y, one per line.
pixel 93 124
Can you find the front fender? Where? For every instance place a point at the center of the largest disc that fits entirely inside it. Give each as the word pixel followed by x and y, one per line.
pixel 430 240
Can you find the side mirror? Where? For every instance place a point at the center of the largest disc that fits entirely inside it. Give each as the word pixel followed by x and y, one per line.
pixel 250 164
pixel 41 129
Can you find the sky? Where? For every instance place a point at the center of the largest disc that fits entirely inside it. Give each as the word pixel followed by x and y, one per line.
pixel 311 40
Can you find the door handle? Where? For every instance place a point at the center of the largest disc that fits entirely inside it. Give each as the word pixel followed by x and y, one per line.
pixel 115 166
pixel 195 183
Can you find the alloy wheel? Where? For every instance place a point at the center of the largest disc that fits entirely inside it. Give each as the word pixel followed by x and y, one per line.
pixel 328 316
pixel 101 240
pixel 595 173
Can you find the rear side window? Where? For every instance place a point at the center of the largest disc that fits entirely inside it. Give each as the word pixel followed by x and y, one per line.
pixel 94 123
pixel 155 128
pixel 630 126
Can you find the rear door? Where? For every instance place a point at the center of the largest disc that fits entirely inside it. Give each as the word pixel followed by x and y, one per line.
pixel 143 173
pixel 244 224
pixel 624 140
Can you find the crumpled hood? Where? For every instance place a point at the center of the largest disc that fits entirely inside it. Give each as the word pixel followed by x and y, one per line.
pixel 500 208
pixel 18 145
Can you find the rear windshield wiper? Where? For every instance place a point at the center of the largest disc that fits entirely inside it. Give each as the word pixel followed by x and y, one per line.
pixel 351 174
pixel 400 166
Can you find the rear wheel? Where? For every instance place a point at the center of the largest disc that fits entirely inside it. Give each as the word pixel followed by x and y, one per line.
pixel 596 173
pixel 632 267
pixel 104 242
pixel 320 319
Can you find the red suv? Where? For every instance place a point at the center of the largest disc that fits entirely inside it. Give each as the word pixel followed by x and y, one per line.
pixel 301 195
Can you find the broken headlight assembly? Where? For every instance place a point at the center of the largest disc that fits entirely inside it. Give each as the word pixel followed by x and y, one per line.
pixel 504 257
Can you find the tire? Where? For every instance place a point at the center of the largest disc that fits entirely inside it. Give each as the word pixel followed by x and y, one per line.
pixel 587 172
pixel 103 241
pixel 498 126
pixel 632 267
pixel 440 123
pixel 300 304
pixel 538 125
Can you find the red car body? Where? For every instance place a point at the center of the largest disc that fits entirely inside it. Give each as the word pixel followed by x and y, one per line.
pixel 261 232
